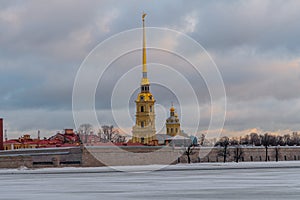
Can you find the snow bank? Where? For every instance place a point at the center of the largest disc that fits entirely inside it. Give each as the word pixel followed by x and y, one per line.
pixel 147 168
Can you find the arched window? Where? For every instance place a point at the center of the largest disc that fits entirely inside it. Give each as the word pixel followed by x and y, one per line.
pixel 142 108
pixel 142 124
pixel 150 108
pixel 171 130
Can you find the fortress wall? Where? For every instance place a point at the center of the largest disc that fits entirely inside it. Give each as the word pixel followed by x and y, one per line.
pixel 113 156
pixel 38 158
pixel 168 155
pixel 16 161
pixel 247 154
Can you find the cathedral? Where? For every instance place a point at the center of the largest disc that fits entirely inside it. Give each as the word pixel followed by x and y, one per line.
pixel 144 131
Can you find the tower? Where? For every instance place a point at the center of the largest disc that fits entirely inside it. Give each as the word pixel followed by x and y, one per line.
pixel 1 134
pixel 172 123
pixel 144 129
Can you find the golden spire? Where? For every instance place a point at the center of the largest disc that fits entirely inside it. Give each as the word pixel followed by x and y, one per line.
pixel 145 80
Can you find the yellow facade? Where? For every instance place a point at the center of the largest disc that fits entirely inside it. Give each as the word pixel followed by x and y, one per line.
pixel 144 129
pixel 173 124
pixel 19 146
pixel 24 142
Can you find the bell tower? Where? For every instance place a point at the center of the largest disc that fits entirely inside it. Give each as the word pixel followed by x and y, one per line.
pixel 144 129
pixel 172 123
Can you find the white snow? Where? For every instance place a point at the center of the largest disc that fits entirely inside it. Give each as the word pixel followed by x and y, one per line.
pixel 260 180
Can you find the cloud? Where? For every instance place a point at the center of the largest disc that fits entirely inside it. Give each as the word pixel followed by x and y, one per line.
pixel 255 44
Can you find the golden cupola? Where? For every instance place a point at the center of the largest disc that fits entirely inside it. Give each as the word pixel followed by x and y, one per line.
pixel 172 123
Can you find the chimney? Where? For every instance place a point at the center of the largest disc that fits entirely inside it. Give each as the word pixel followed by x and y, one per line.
pixel 5 135
pixel 1 134
pixel 39 135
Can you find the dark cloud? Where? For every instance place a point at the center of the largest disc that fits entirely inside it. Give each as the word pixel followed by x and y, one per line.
pixel 255 44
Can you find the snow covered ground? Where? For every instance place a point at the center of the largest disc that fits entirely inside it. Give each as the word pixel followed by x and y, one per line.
pixel 196 181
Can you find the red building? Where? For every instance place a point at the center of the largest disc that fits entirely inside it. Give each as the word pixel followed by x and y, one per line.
pixel 66 139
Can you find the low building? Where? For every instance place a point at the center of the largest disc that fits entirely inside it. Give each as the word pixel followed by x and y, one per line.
pixel 67 139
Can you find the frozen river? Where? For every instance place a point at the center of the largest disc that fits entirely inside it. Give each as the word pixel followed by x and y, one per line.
pixel 175 183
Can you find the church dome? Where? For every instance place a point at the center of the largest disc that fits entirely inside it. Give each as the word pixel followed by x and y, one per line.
pixel 172 109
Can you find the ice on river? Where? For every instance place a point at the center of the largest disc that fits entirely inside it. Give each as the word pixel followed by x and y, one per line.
pixel 197 181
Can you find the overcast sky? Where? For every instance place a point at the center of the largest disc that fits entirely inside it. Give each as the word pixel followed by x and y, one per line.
pixel 255 45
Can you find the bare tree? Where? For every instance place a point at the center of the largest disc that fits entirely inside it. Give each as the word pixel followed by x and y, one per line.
pixel 245 140
pixel 107 132
pixel 224 142
pixel 266 143
pixel 277 153
pixel 84 130
pixel 110 134
pixel 100 134
pixel 238 153
pixel 254 139
pixel 189 151
pixel 287 139
pixel 202 139
pixel 295 138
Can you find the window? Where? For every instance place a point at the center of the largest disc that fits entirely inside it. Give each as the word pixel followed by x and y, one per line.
pixel 142 139
pixel 176 130
pixel 150 108
pixel 168 130
pixel 142 124
pixel 142 108
pixel 142 98
pixel 171 130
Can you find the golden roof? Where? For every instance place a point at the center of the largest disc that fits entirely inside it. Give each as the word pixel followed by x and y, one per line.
pixel 145 97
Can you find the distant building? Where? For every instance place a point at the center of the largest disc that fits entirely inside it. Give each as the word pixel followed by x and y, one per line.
pixel 67 139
